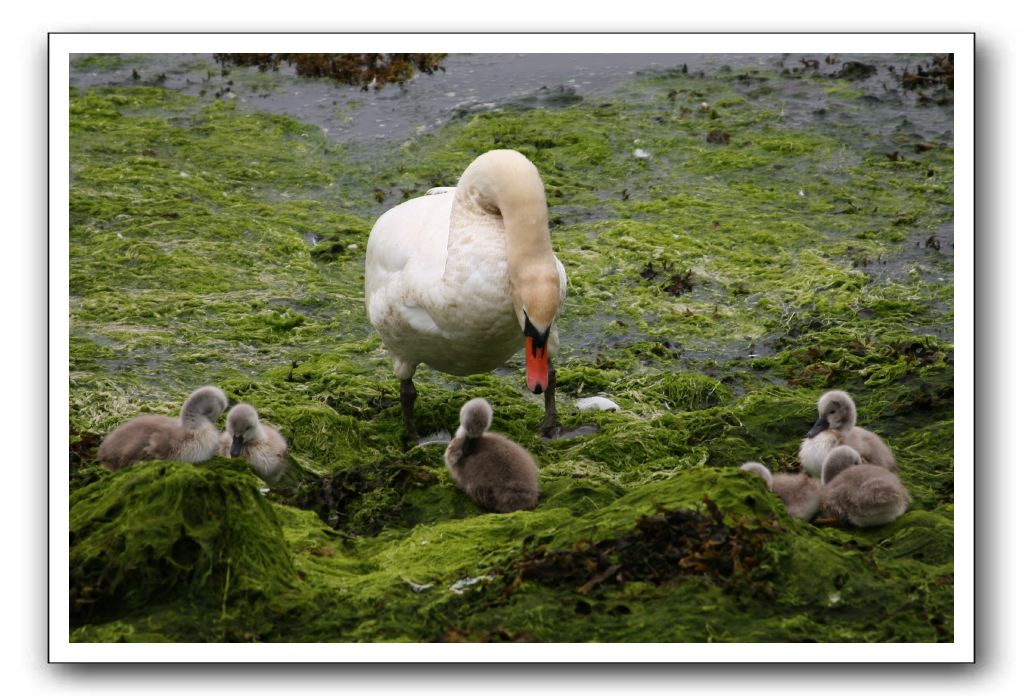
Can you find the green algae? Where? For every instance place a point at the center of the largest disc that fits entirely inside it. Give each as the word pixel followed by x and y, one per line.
pixel 210 244
pixel 399 586
pixel 104 61
pixel 160 531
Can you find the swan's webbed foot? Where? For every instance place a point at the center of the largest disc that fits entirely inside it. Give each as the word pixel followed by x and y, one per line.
pixel 551 428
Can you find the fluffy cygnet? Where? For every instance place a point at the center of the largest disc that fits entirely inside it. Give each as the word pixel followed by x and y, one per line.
pixel 496 473
pixel 862 494
pixel 262 445
pixel 191 438
pixel 800 492
pixel 836 425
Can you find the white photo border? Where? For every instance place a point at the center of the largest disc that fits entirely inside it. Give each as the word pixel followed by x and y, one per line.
pixel 63 45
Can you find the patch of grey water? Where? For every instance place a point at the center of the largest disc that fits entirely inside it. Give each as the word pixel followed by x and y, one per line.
pixel 468 83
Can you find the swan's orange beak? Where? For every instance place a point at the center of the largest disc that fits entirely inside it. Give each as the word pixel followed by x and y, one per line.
pixel 536 366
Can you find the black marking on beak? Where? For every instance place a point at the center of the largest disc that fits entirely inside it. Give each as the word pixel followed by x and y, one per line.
pixel 820 426
pixel 539 339
pixel 236 445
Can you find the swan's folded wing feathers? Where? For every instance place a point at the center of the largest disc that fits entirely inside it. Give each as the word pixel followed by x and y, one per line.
pixel 389 257
pixel 563 277
pixel 420 320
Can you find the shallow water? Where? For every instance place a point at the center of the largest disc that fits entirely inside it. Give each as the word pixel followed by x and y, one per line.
pixel 474 83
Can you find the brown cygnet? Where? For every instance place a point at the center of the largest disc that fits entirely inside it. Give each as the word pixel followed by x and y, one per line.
pixel 800 492
pixel 262 445
pixel 835 426
pixel 496 473
pixel 862 494
pixel 191 438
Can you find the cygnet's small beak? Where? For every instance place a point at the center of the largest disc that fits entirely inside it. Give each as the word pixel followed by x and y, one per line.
pixel 536 366
pixel 236 445
pixel 820 426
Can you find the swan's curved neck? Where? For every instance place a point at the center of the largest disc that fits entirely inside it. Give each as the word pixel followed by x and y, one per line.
pixel 504 183
pixel 192 419
pixel 192 415
pixel 833 466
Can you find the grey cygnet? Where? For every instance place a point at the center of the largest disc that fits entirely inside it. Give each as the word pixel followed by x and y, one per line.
pixel 496 473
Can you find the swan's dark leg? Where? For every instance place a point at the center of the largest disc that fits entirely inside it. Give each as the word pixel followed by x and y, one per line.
pixel 551 426
pixel 408 400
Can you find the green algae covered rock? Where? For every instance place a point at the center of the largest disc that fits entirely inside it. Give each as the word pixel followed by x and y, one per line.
pixel 165 531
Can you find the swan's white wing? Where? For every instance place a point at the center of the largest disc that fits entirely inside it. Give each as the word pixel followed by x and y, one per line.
pixel 451 312
pixel 563 277
pixel 419 320
pixel 554 340
pixel 405 259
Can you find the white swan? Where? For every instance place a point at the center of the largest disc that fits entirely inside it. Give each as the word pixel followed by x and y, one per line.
pixel 459 278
